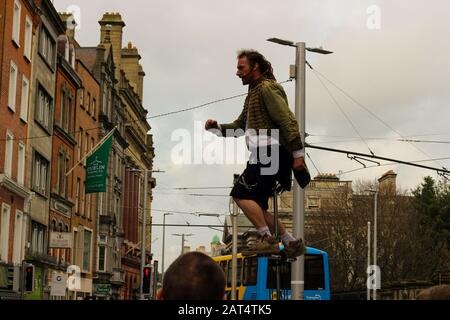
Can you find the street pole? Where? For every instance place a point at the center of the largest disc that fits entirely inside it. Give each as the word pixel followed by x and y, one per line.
pixel 375 241
pixel 144 222
pixel 234 251
pixel 182 239
pixel 182 243
pixel 298 266
pixel 163 244
pixel 298 228
pixel 368 259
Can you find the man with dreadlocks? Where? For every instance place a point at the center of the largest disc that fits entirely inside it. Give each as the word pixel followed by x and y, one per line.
pixel 273 138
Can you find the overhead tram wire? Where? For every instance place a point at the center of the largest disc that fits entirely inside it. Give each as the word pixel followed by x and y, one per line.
pixel 205 104
pixel 409 163
pixel 392 164
pixel 370 112
pixel 343 112
pixel 318 171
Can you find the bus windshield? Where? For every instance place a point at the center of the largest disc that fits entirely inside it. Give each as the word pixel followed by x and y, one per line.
pixel 314 275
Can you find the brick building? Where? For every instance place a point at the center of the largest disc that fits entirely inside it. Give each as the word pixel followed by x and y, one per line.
pixel 18 20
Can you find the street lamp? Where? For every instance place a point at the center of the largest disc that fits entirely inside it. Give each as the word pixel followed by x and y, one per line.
pixel 182 235
pixel 375 214
pixel 163 243
pixel 298 226
pixel 144 226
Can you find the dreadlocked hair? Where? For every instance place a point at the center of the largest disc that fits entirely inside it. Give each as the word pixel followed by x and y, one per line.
pixel 254 57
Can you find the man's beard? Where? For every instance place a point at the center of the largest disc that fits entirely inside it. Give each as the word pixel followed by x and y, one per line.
pixel 246 79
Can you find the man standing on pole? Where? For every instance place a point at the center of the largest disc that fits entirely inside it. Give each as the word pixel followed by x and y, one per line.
pixel 273 138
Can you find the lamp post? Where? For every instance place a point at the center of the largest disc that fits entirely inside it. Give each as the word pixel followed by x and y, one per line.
pixel 375 216
pixel 182 235
pixel 297 276
pixel 163 243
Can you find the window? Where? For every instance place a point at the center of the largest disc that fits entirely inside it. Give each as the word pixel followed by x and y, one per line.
pixel 88 203
pixel 86 250
pixel 24 100
pixel 60 172
pixel 47 47
pixel 82 200
pixel 28 37
pixel 75 247
pixel 250 271
pixel 40 172
pixel 86 146
pixel 82 97
pixel 80 143
pixel 101 258
pixel 12 92
pixel 4 232
pixel 77 196
pixel 88 102
pixel 21 164
pixel 16 23
pixel 17 246
pixel 104 102
pixel 314 272
pixel 313 202
pixel 66 177
pixel 62 107
pixel 93 106
pixel 68 123
pixel 9 153
pixel 44 107
pixel 37 238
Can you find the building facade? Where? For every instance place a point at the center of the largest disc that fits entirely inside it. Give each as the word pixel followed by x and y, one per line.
pixel 63 158
pixel 39 149
pixel 18 20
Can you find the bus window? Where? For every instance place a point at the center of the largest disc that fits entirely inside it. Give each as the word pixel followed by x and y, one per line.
pixel 239 273
pixel 285 275
pixel 314 275
pixel 230 272
pixel 250 271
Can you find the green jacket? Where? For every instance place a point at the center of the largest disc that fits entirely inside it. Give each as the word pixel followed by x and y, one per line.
pixel 267 108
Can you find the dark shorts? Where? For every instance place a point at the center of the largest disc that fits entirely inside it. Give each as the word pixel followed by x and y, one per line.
pixel 256 184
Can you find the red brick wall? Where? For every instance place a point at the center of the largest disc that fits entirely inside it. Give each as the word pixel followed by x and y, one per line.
pixel 10 120
pixel 90 122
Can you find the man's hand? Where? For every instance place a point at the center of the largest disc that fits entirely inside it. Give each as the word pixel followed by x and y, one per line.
pixel 211 124
pixel 299 164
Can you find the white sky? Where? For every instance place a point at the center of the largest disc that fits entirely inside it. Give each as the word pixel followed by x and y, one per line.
pixel 399 71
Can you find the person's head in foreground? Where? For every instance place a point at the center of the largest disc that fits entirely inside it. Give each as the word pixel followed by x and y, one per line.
pixel 441 292
pixel 193 276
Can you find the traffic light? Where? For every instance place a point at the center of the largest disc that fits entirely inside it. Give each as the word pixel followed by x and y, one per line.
pixel 148 258
pixel 146 280
pixel 29 278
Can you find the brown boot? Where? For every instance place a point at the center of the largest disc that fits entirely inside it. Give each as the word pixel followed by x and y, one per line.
pixel 266 245
pixel 295 249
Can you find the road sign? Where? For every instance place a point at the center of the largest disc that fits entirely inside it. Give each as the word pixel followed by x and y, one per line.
pixel 59 284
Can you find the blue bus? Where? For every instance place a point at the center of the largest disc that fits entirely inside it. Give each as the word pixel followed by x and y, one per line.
pixel 256 276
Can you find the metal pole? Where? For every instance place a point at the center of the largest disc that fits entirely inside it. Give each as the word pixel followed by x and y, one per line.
pixel 375 242
pixel 297 274
pixel 144 222
pixel 234 251
pixel 163 248
pixel 182 243
pixel 277 236
pixel 368 259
